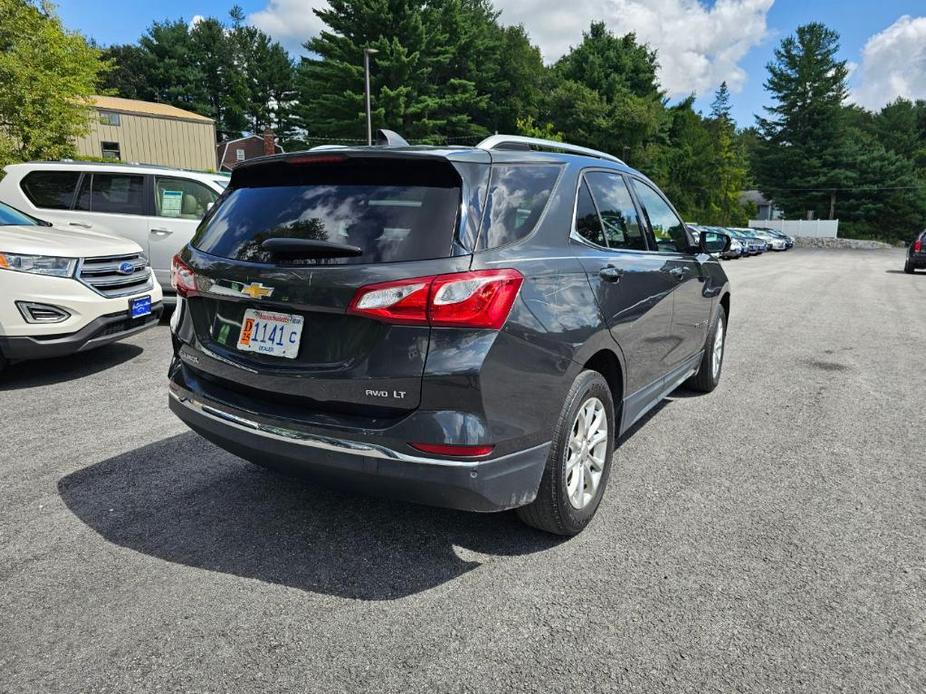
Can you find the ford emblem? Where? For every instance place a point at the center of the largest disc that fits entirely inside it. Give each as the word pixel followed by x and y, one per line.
pixel 126 268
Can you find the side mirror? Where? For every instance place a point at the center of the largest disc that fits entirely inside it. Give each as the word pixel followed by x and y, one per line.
pixel 712 242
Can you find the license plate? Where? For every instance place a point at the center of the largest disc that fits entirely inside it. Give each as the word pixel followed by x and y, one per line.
pixel 266 332
pixel 140 307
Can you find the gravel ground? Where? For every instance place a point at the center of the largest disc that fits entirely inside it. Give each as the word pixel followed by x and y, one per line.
pixel 770 536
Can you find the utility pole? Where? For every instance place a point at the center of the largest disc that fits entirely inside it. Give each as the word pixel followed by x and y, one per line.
pixel 833 204
pixel 367 52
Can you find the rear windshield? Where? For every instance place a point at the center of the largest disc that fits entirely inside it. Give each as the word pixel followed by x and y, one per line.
pixel 392 209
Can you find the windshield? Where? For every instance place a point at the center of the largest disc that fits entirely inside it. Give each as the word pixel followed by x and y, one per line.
pixel 10 216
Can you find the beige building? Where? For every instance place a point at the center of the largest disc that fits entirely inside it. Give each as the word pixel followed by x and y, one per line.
pixel 149 133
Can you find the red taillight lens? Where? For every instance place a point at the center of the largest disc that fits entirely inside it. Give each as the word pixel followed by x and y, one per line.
pixel 477 299
pixel 457 451
pixel 182 278
pixel 917 246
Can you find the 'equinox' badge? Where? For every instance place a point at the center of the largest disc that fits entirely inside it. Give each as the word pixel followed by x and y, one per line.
pixel 256 290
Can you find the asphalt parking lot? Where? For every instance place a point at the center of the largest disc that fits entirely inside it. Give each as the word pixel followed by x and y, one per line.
pixel 770 536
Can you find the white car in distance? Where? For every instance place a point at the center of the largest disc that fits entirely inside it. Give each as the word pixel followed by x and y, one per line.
pixel 69 290
pixel 156 207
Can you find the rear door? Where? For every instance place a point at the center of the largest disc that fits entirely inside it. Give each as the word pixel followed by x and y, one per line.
pixel 179 206
pixel 634 294
pixel 112 203
pixel 691 309
pixel 401 213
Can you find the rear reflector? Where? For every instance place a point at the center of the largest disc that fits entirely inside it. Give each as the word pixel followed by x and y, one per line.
pixel 477 299
pixel 456 451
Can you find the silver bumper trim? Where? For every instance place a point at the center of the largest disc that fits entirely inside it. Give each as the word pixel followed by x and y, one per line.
pixel 327 443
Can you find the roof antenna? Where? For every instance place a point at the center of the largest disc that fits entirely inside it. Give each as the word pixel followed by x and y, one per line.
pixel 389 138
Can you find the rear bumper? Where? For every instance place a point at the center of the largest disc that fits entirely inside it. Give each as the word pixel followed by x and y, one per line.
pixel 99 332
pixel 917 260
pixel 485 485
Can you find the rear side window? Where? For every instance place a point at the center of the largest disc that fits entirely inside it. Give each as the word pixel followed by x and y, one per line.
pixel 392 209
pixel 618 213
pixel 52 190
pixel 113 193
pixel 518 195
pixel 182 198
pixel 588 223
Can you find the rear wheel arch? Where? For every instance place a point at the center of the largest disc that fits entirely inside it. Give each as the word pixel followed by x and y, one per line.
pixel 606 363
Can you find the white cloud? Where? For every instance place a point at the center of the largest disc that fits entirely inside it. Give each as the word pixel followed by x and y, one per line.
pixel 893 64
pixel 291 22
pixel 197 18
pixel 699 46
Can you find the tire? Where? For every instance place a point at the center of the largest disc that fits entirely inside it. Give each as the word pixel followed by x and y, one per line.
pixel 908 267
pixel 708 375
pixel 555 509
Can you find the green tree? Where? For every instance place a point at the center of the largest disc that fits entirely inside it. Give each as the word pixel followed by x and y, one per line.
pixel 48 75
pixel 423 78
pixel 615 78
pixel 803 157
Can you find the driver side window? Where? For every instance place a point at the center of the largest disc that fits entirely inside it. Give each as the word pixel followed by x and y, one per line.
pixel 668 229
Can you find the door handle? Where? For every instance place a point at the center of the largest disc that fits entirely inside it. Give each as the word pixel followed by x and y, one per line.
pixel 162 232
pixel 679 272
pixel 82 225
pixel 609 273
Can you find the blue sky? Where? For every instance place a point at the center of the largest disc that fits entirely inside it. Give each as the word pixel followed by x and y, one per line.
pixel 891 69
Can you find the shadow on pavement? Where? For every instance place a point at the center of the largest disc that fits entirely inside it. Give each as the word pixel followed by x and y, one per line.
pixel 186 501
pixel 44 372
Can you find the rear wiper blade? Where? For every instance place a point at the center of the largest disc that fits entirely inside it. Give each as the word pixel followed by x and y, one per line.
pixel 309 248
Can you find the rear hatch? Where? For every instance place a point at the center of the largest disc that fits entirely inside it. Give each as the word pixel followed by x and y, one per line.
pixel 338 222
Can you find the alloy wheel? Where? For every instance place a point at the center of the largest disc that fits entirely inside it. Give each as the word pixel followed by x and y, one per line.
pixel 585 453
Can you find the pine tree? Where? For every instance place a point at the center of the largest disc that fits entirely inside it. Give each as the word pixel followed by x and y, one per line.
pixel 423 78
pixel 803 157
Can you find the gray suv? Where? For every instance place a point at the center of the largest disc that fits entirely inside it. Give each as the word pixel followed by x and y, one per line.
pixel 465 327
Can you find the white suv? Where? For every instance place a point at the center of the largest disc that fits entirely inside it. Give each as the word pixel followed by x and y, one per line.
pixel 66 290
pixel 156 207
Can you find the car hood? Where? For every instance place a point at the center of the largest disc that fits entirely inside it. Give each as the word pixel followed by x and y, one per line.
pixel 67 243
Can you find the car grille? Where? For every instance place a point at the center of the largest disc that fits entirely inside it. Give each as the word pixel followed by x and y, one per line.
pixel 104 276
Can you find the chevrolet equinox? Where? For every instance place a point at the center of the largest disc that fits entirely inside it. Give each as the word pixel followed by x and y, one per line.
pixel 469 327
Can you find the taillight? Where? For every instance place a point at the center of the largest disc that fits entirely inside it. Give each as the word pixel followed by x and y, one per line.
pixel 477 299
pixel 448 449
pixel 182 277
pixel 918 246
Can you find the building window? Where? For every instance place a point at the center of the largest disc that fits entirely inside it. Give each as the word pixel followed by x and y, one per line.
pixel 109 118
pixel 111 151
pixel 239 155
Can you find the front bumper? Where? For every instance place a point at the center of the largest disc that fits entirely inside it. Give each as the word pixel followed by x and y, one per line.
pixel 487 485
pixel 99 332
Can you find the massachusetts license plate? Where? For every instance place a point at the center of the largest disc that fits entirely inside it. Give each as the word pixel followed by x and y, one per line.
pixel 140 307
pixel 266 332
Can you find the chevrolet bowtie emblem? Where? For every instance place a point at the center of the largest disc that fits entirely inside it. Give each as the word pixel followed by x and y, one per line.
pixel 256 290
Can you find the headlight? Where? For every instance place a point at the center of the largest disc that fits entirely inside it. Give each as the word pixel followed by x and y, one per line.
pixel 38 264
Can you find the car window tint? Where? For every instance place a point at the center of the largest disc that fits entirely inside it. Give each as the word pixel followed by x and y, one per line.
pixel 50 189
pixel 668 229
pixel 117 193
pixel 588 224
pixel 182 198
pixel 618 213
pixel 518 196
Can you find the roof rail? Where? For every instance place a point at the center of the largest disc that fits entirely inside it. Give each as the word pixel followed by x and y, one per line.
pixel 525 143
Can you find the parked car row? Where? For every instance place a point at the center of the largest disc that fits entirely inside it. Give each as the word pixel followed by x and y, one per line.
pixel 745 242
